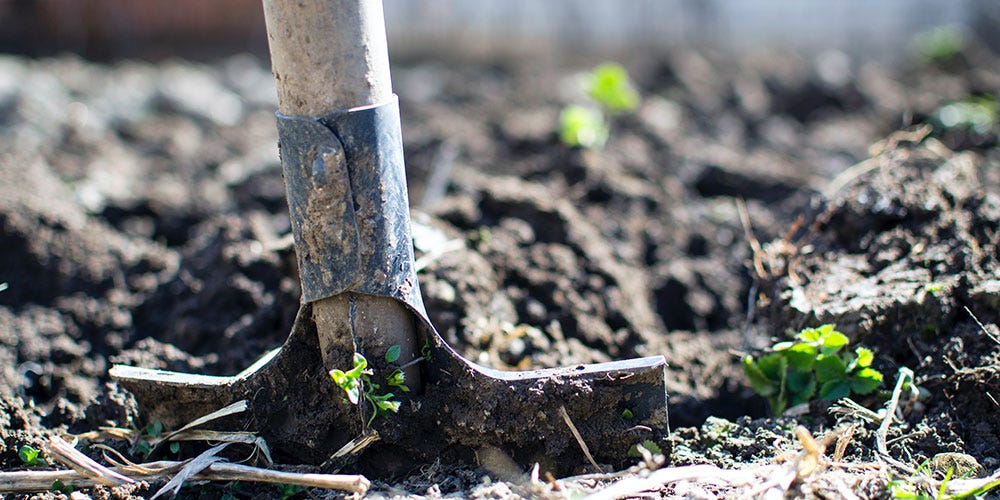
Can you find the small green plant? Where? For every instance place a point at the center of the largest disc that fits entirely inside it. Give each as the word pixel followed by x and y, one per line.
pixel 357 383
pixel 814 365
pixel 584 127
pixel 609 86
pixel 940 45
pixel 609 90
pixel 29 455
pixel 152 431
pixel 62 487
pixel 627 414
pixel 289 490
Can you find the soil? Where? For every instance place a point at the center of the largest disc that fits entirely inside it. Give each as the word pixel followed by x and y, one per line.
pixel 143 221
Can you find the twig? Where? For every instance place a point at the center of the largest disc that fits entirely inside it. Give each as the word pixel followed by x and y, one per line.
pixel 22 481
pixel 191 467
pixel 69 456
pixel 982 326
pixel 656 480
pixel 890 412
pixel 579 438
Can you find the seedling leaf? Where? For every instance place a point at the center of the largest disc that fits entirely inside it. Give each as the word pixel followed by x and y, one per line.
pixel 392 354
pixel 833 342
pixel 583 127
pixel 773 366
pixel 834 390
pixel 62 487
pixel 801 384
pixel 865 357
pixel 830 368
pixel 154 429
pixel 28 454
pixel 865 381
pixel 758 381
pixel 349 383
pixel 609 85
pixel 397 379
pixel 360 363
pixel 801 356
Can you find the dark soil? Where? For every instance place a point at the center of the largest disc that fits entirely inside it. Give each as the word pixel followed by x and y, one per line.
pixel 143 221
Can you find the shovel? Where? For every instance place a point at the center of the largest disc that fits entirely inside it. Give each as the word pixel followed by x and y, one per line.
pixel 341 155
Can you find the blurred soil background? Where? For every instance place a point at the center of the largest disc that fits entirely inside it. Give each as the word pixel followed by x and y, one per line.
pixel 143 216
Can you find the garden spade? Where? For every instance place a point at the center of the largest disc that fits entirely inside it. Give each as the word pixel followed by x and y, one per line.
pixel 341 156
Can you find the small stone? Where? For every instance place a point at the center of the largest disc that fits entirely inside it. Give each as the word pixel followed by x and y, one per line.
pixel 961 464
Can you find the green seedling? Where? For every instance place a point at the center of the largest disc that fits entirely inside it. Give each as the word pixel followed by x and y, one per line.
pixel 392 354
pixel 940 45
pixel 29 455
pixel 425 351
pixel 817 364
pixel 609 91
pixel 582 127
pixel 357 384
pixel 609 86
pixel 152 431
pixel 62 487
pixel 627 414
pixel 289 490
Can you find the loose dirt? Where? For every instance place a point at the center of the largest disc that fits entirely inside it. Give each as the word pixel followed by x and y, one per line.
pixel 143 221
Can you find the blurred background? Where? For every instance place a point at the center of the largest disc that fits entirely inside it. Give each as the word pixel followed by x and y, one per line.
pixel 196 29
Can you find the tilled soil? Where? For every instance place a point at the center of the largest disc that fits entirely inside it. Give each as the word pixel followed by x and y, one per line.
pixel 143 221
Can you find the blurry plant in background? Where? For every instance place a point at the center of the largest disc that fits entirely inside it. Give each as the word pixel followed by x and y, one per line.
pixel 610 91
pixel 940 45
pixel 976 114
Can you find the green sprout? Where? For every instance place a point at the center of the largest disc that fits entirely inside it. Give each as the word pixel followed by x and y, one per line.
pixel 815 365
pixel 62 487
pixel 940 45
pixel 609 90
pixel 392 354
pixel 154 429
pixel 289 490
pixel 357 384
pixel 584 127
pixel 29 455
pixel 609 86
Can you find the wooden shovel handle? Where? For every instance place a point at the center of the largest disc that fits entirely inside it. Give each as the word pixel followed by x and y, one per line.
pixel 327 54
